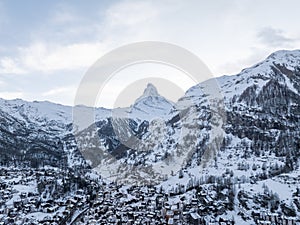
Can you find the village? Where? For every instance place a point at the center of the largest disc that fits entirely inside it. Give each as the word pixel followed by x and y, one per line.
pixel 54 196
pixel 43 196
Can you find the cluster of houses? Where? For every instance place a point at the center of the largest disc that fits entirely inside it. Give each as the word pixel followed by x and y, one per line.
pixel 264 218
pixel 32 197
pixel 57 197
pixel 150 205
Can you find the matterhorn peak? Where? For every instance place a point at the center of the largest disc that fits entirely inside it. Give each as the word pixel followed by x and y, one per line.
pixel 150 90
pixel 151 105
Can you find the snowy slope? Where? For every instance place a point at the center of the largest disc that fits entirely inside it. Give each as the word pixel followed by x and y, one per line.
pixel 45 113
pixel 261 73
pixel 260 103
pixel 38 112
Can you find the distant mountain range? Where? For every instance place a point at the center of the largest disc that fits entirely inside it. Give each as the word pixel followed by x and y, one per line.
pixel 255 125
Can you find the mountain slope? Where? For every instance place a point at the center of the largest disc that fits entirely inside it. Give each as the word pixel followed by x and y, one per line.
pixel 257 117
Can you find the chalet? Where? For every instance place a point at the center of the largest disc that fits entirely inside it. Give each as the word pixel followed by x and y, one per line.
pixel 263 222
pixel 71 201
pixel 170 221
pixel 169 214
pixel 194 219
pixel 52 209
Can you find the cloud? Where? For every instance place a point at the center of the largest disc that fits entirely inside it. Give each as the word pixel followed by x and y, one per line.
pixel 253 56
pixel 11 95
pixel 69 38
pixel 59 91
pixel 274 37
pixel 119 26
pixel 47 58
pixel 123 22
pixel 50 57
pixel 131 13
pixel 55 94
pixel 10 66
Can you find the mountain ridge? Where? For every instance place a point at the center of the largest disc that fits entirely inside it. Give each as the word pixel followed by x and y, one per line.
pixel 269 89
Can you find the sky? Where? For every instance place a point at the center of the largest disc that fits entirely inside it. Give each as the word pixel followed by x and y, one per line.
pixel 46 47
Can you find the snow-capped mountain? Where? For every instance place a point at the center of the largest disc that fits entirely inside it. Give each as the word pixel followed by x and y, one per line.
pixel 257 114
pixel 39 133
pixel 45 113
pixel 281 66
pixel 151 105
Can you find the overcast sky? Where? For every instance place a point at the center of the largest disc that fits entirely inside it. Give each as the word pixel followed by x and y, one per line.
pixel 47 46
